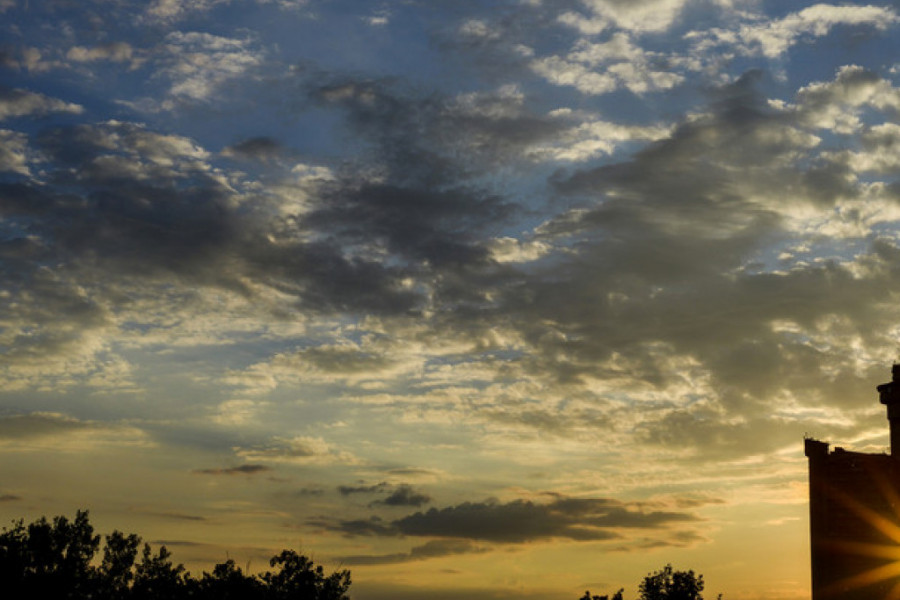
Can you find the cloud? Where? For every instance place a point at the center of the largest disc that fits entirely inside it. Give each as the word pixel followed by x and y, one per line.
pixel 600 68
pixel 13 152
pixel 39 424
pixel 114 51
pixel 37 431
pixel 772 38
pixel 404 495
pixel 400 495
pixel 518 521
pixel 428 550
pixel 836 104
pixel 263 149
pixel 638 15
pixel 200 64
pixel 179 516
pixel 346 490
pixel 297 450
pixel 248 469
pixel 19 103
pixel 168 10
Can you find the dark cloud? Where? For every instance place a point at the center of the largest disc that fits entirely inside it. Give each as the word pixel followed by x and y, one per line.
pixel 373 526
pixel 180 516
pixel 346 490
pixel 518 521
pixel 39 424
pixel 411 472
pixel 9 498
pixel 431 549
pixel 437 228
pixel 421 137
pixel 492 42
pixel 401 495
pixel 405 495
pixel 342 359
pixel 248 469
pixel 257 148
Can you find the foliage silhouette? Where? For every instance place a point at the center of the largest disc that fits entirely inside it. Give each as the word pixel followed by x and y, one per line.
pixel 616 596
pixel 665 584
pixel 668 584
pixel 53 560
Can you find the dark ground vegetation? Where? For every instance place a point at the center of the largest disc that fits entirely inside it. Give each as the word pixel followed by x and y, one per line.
pixel 55 559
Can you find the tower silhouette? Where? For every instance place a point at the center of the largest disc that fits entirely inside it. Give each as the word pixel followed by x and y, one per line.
pixel 854 514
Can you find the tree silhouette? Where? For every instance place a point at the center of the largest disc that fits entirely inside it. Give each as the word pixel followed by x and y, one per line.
pixel 157 578
pixel 227 582
pixel 665 584
pixel 116 572
pixel 53 560
pixel 616 596
pixel 297 577
pixel 668 584
pixel 49 559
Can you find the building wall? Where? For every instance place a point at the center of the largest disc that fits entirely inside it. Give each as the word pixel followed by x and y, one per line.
pixel 854 503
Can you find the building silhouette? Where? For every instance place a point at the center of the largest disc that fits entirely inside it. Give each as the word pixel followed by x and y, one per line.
pixel 854 514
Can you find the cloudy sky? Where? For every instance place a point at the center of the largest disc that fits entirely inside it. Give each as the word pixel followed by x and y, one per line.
pixel 476 299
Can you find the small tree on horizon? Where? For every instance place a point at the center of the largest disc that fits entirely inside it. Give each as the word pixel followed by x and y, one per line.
pixel 664 584
pixel 668 584
pixel 616 596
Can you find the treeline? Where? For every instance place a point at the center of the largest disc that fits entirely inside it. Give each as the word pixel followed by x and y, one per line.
pixel 55 559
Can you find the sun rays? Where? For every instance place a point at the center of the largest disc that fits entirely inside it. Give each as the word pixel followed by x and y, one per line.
pixel 881 528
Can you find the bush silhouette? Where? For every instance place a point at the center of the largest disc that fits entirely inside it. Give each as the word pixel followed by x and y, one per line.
pixel 53 560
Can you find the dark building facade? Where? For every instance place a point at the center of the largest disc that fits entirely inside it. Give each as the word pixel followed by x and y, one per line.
pixel 854 515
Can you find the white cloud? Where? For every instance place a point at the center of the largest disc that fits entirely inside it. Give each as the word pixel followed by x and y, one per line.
pixel 591 138
pixel 511 250
pixel 478 29
pixel 835 104
pixel 18 103
pixel 114 52
pixel 599 68
pixel 379 18
pixel 286 4
pixel 238 412
pixel 632 15
pixel 199 64
pixel 13 148
pixel 174 9
pixel 772 38
pixel 881 155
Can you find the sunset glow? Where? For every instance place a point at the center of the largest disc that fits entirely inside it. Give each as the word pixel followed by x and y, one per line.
pixel 475 299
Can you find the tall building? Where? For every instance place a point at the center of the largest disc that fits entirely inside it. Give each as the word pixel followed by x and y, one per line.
pixel 854 515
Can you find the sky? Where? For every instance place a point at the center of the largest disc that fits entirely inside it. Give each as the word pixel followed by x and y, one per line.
pixel 477 299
